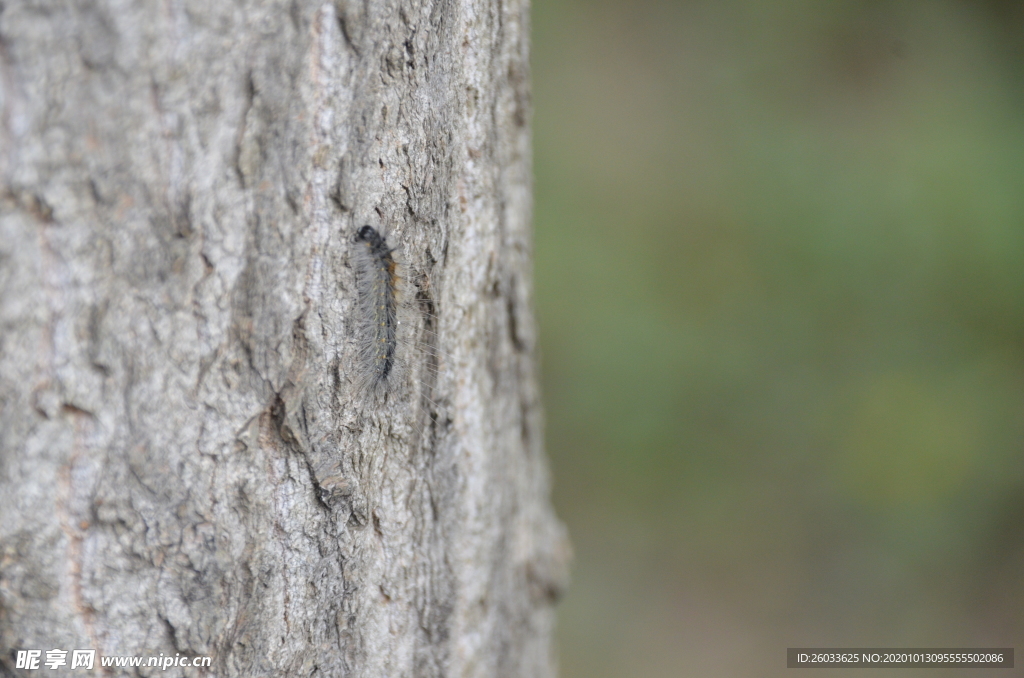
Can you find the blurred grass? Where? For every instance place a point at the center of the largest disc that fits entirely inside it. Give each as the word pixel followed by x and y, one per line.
pixel 780 281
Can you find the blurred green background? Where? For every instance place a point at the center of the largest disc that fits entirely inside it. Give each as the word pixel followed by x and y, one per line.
pixel 780 281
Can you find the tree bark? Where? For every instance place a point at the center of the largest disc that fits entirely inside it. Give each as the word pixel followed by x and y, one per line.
pixel 187 463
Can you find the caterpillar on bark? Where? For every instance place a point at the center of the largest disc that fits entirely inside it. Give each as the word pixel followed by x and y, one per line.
pixel 377 307
pixel 388 310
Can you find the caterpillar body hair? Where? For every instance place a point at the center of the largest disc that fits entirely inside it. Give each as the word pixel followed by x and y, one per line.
pixel 395 356
pixel 377 307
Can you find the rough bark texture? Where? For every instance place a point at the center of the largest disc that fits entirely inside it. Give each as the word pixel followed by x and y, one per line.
pixel 187 463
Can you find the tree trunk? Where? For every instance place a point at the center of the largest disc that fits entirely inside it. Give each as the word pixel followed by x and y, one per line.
pixel 189 464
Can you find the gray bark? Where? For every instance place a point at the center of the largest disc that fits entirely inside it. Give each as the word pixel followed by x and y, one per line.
pixel 187 464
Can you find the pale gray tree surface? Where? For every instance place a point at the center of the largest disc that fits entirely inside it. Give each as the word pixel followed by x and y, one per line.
pixel 187 463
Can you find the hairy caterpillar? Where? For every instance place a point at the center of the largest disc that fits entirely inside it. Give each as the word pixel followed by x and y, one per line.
pixel 380 308
pixel 376 286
